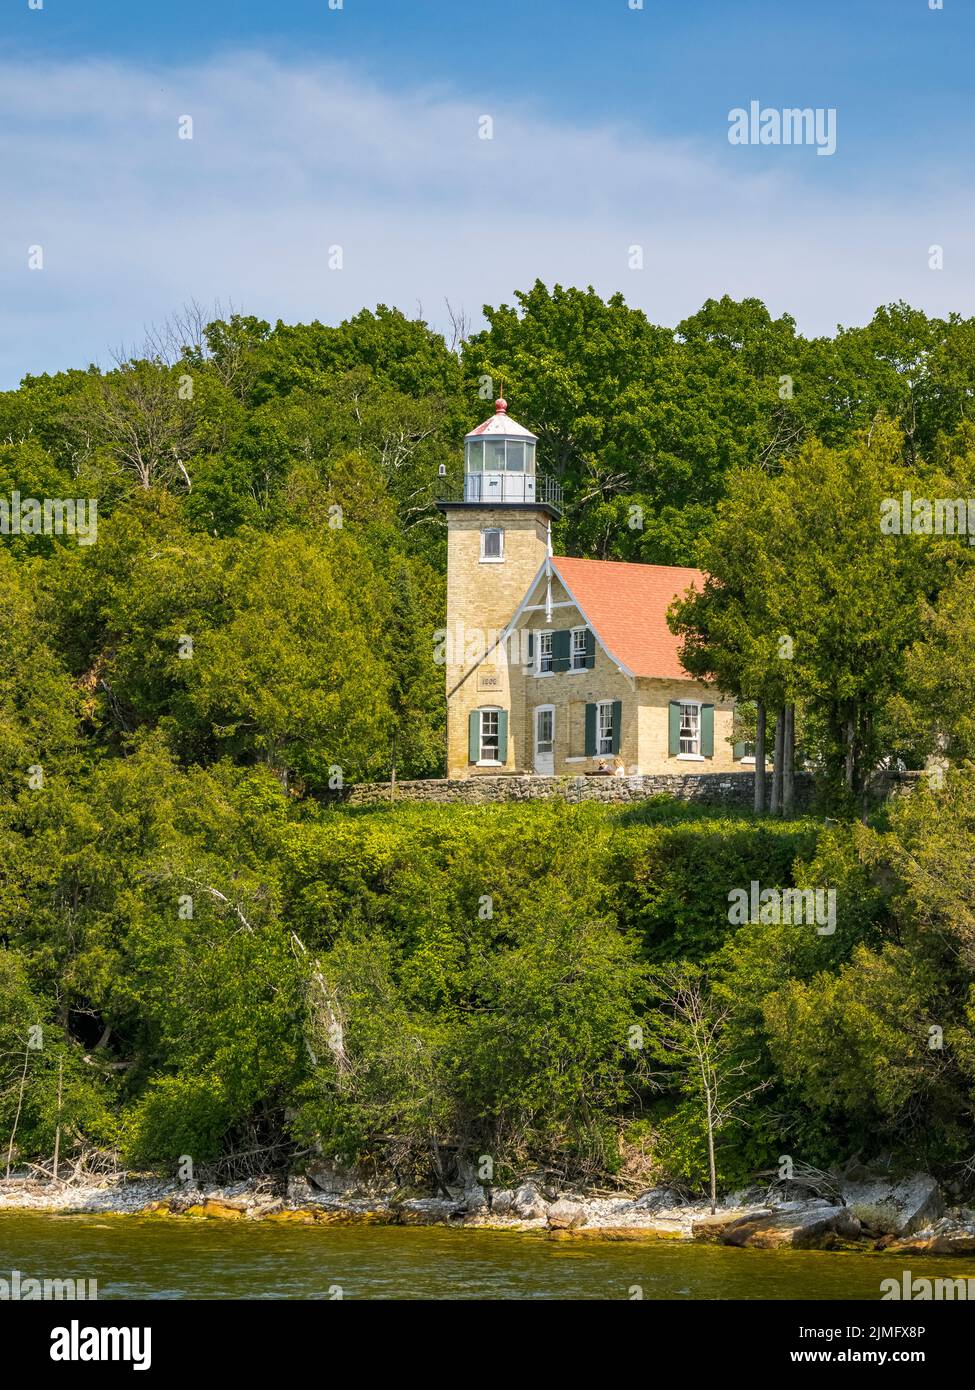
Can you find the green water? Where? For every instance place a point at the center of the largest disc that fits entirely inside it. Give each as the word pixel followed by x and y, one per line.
pixel 145 1258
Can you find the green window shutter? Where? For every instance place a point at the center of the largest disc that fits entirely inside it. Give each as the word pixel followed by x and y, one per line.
pixel 590 731
pixel 617 721
pixel 503 736
pixel 561 648
pixel 590 648
pixel 707 730
pixel 739 751
pixel 673 741
pixel 474 735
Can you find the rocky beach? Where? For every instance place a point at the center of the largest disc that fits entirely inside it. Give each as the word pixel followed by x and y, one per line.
pixel 871 1212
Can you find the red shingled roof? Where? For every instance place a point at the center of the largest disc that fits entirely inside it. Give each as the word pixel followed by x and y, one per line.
pixel 627 606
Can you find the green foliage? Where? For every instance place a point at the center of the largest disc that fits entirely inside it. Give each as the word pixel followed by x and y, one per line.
pixel 503 1035
pixel 220 960
pixel 681 1151
pixel 40 710
pixel 808 599
pixel 44 1082
pixel 486 968
pixel 670 883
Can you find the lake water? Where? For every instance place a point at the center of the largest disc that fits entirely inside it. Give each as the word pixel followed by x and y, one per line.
pixel 150 1258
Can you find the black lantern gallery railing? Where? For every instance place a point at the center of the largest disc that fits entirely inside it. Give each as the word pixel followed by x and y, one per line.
pixel 502 487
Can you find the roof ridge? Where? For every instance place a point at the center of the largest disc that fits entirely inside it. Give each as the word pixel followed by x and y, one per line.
pixel 630 564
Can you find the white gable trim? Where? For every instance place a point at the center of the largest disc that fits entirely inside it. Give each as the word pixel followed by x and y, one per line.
pixel 547 569
pixel 544 570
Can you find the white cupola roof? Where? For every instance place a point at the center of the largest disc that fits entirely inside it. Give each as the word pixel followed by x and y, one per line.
pixel 500 424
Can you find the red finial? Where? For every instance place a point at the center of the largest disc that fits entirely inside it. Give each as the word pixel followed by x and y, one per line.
pixel 500 405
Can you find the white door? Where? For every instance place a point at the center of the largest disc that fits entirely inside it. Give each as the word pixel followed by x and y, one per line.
pixel 545 740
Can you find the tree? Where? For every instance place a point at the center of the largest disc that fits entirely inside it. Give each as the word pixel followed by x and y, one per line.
pixel 40 710
pixel 542 1056
pixel 690 1034
pixel 731 637
pixel 140 416
pixel 291 677
pixel 808 599
pixel 416 684
pixel 588 376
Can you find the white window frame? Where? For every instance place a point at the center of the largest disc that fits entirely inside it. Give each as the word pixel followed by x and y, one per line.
pixel 482 761
pixel 550 654
pixel 492 559
pixel 602 752
pixel 694 755
pixel 572 651
pixel 543 709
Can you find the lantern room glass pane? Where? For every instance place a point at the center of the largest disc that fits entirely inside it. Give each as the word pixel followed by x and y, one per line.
pixel 516 457
pixel 494 457
pixel 475 455
pixel 530 456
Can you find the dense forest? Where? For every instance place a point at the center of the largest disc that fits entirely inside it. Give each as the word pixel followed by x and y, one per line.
pixel 205 953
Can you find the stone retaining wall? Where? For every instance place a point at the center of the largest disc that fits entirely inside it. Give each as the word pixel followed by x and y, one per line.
pixel 733 789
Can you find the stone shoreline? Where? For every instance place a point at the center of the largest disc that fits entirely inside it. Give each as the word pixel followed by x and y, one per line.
pixel 905 1215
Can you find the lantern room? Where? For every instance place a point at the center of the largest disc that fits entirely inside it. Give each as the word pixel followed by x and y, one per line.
pixel 499 460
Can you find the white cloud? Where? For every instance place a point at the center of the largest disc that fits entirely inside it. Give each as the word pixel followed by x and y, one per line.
pixel 288 160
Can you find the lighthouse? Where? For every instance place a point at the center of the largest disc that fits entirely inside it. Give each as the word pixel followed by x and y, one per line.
pixel 498 537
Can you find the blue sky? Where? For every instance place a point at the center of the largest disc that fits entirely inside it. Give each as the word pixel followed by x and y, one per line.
pixel 314 128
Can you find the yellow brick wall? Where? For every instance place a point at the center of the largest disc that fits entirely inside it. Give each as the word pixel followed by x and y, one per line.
pixel 570 692
pixel 481 598
pixel 655 698
pixel 644 733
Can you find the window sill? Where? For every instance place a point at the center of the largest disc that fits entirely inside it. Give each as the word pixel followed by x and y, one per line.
pixel 747 762
pixel 691 758
pixel 488 762
pixel 492 559
pixel 540 675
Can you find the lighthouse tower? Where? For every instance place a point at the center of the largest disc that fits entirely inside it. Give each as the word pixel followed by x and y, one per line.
pixel 498 535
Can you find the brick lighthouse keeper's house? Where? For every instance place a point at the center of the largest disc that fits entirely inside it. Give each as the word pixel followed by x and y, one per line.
pixel 556 665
